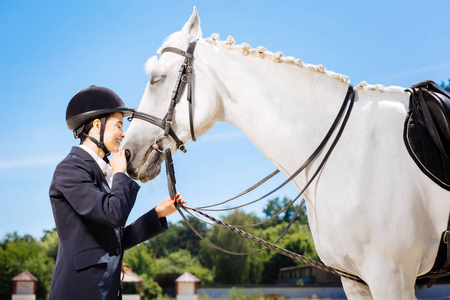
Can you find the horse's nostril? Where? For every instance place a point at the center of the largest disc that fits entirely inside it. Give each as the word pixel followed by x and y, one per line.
pixel 127 154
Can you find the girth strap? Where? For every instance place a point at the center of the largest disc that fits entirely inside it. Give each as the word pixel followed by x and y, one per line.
pixel 441 266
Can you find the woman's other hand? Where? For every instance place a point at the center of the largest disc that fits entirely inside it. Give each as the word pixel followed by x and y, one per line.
pixel 119 162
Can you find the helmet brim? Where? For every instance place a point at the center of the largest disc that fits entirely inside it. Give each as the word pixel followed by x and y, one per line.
pixel 79 120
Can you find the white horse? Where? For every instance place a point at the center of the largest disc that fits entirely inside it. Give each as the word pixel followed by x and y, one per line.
pixel 372 212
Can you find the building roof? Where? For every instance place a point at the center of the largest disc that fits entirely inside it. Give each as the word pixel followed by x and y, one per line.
pixel 187 277
pixel 295 268
pixel 131 277
pixel 25 276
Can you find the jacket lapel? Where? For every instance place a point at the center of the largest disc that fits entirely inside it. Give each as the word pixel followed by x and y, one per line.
pixel 98 173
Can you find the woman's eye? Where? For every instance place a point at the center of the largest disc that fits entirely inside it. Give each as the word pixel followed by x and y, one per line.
pixel 157 79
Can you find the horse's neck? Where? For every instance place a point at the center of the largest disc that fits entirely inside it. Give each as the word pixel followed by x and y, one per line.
pixel 285 110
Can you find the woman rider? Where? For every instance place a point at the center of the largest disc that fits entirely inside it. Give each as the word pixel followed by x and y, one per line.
pixel 92 198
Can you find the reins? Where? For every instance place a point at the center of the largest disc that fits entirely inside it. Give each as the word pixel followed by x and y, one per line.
pixel 267 245
pixel 349 100
pixel 185 78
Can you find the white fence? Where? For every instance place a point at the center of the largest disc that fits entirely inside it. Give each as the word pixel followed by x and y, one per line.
pixel 131 297
pixel 288 292
pixel 438 291
pixel 23 297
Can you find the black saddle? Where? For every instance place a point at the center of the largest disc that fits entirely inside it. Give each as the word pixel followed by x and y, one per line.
pixel 427 131
pixel 427 137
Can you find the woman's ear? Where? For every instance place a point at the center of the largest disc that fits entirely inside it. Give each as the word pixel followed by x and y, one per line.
pixel 97 124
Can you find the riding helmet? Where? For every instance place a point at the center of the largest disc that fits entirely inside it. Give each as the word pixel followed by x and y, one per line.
pixel 90 103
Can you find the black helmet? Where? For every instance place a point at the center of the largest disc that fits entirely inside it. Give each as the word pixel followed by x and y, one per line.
pixel 91 103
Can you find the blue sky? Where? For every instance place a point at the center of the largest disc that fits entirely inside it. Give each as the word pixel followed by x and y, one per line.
pixel 52 49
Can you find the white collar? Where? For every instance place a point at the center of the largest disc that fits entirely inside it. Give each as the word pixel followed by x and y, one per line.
pixel 106 168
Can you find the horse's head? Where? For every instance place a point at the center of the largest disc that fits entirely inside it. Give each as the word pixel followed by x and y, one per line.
pixel 143 160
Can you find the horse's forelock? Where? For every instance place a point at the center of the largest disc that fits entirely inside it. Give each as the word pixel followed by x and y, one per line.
pixel 169 41
pixel 150 64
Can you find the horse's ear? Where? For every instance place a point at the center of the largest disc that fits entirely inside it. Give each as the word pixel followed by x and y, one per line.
pixel 191 30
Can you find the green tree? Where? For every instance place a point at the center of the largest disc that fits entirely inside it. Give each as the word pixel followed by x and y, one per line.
pixel 275 205
pixel 49 243
pixel 179 236
pixel 229 269
pixel 298 240
pixel 182 261
pixel 141 260
pixel 150 289
pixel 446 87
pixel 176 251
pixel 18 254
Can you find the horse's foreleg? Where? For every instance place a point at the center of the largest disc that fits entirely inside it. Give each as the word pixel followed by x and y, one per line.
pixel 389 280
pixel 393 286
pixel 355 290
pixel 384 281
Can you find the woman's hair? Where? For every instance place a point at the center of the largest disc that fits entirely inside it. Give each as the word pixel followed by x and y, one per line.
pixel 88 126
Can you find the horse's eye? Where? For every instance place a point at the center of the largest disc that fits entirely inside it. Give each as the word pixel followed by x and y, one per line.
pixel 157 79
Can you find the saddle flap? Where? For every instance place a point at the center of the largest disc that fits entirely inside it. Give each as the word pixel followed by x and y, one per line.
pixel 431 108
pixel 440 109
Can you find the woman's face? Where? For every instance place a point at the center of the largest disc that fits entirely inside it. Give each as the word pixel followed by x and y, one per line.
pixel 114 133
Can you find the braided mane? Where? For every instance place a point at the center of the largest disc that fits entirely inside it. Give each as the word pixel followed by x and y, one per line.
pixel 278 57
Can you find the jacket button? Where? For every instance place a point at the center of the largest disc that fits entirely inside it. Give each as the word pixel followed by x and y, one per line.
pixel 117 251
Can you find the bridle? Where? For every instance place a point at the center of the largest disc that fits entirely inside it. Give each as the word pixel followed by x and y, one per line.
pixel 184 79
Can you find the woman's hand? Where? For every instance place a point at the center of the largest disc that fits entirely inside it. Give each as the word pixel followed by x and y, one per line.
pixel 167 206
pixel 119 162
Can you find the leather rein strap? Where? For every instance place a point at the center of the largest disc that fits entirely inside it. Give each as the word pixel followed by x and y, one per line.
pixel 185 78
pixel 347 108
pixel 342 118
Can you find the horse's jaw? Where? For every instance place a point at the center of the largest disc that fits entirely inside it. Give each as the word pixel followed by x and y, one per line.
pixel 148 168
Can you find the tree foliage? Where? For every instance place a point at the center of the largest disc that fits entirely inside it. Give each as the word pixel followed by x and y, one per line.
pixel 180 236
pixel 446 87
pixel 183 261
pixel 18 254
pixel 141 260
pixel 298 240
pixel 178 250
pixel 274 206
pixel 230 269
